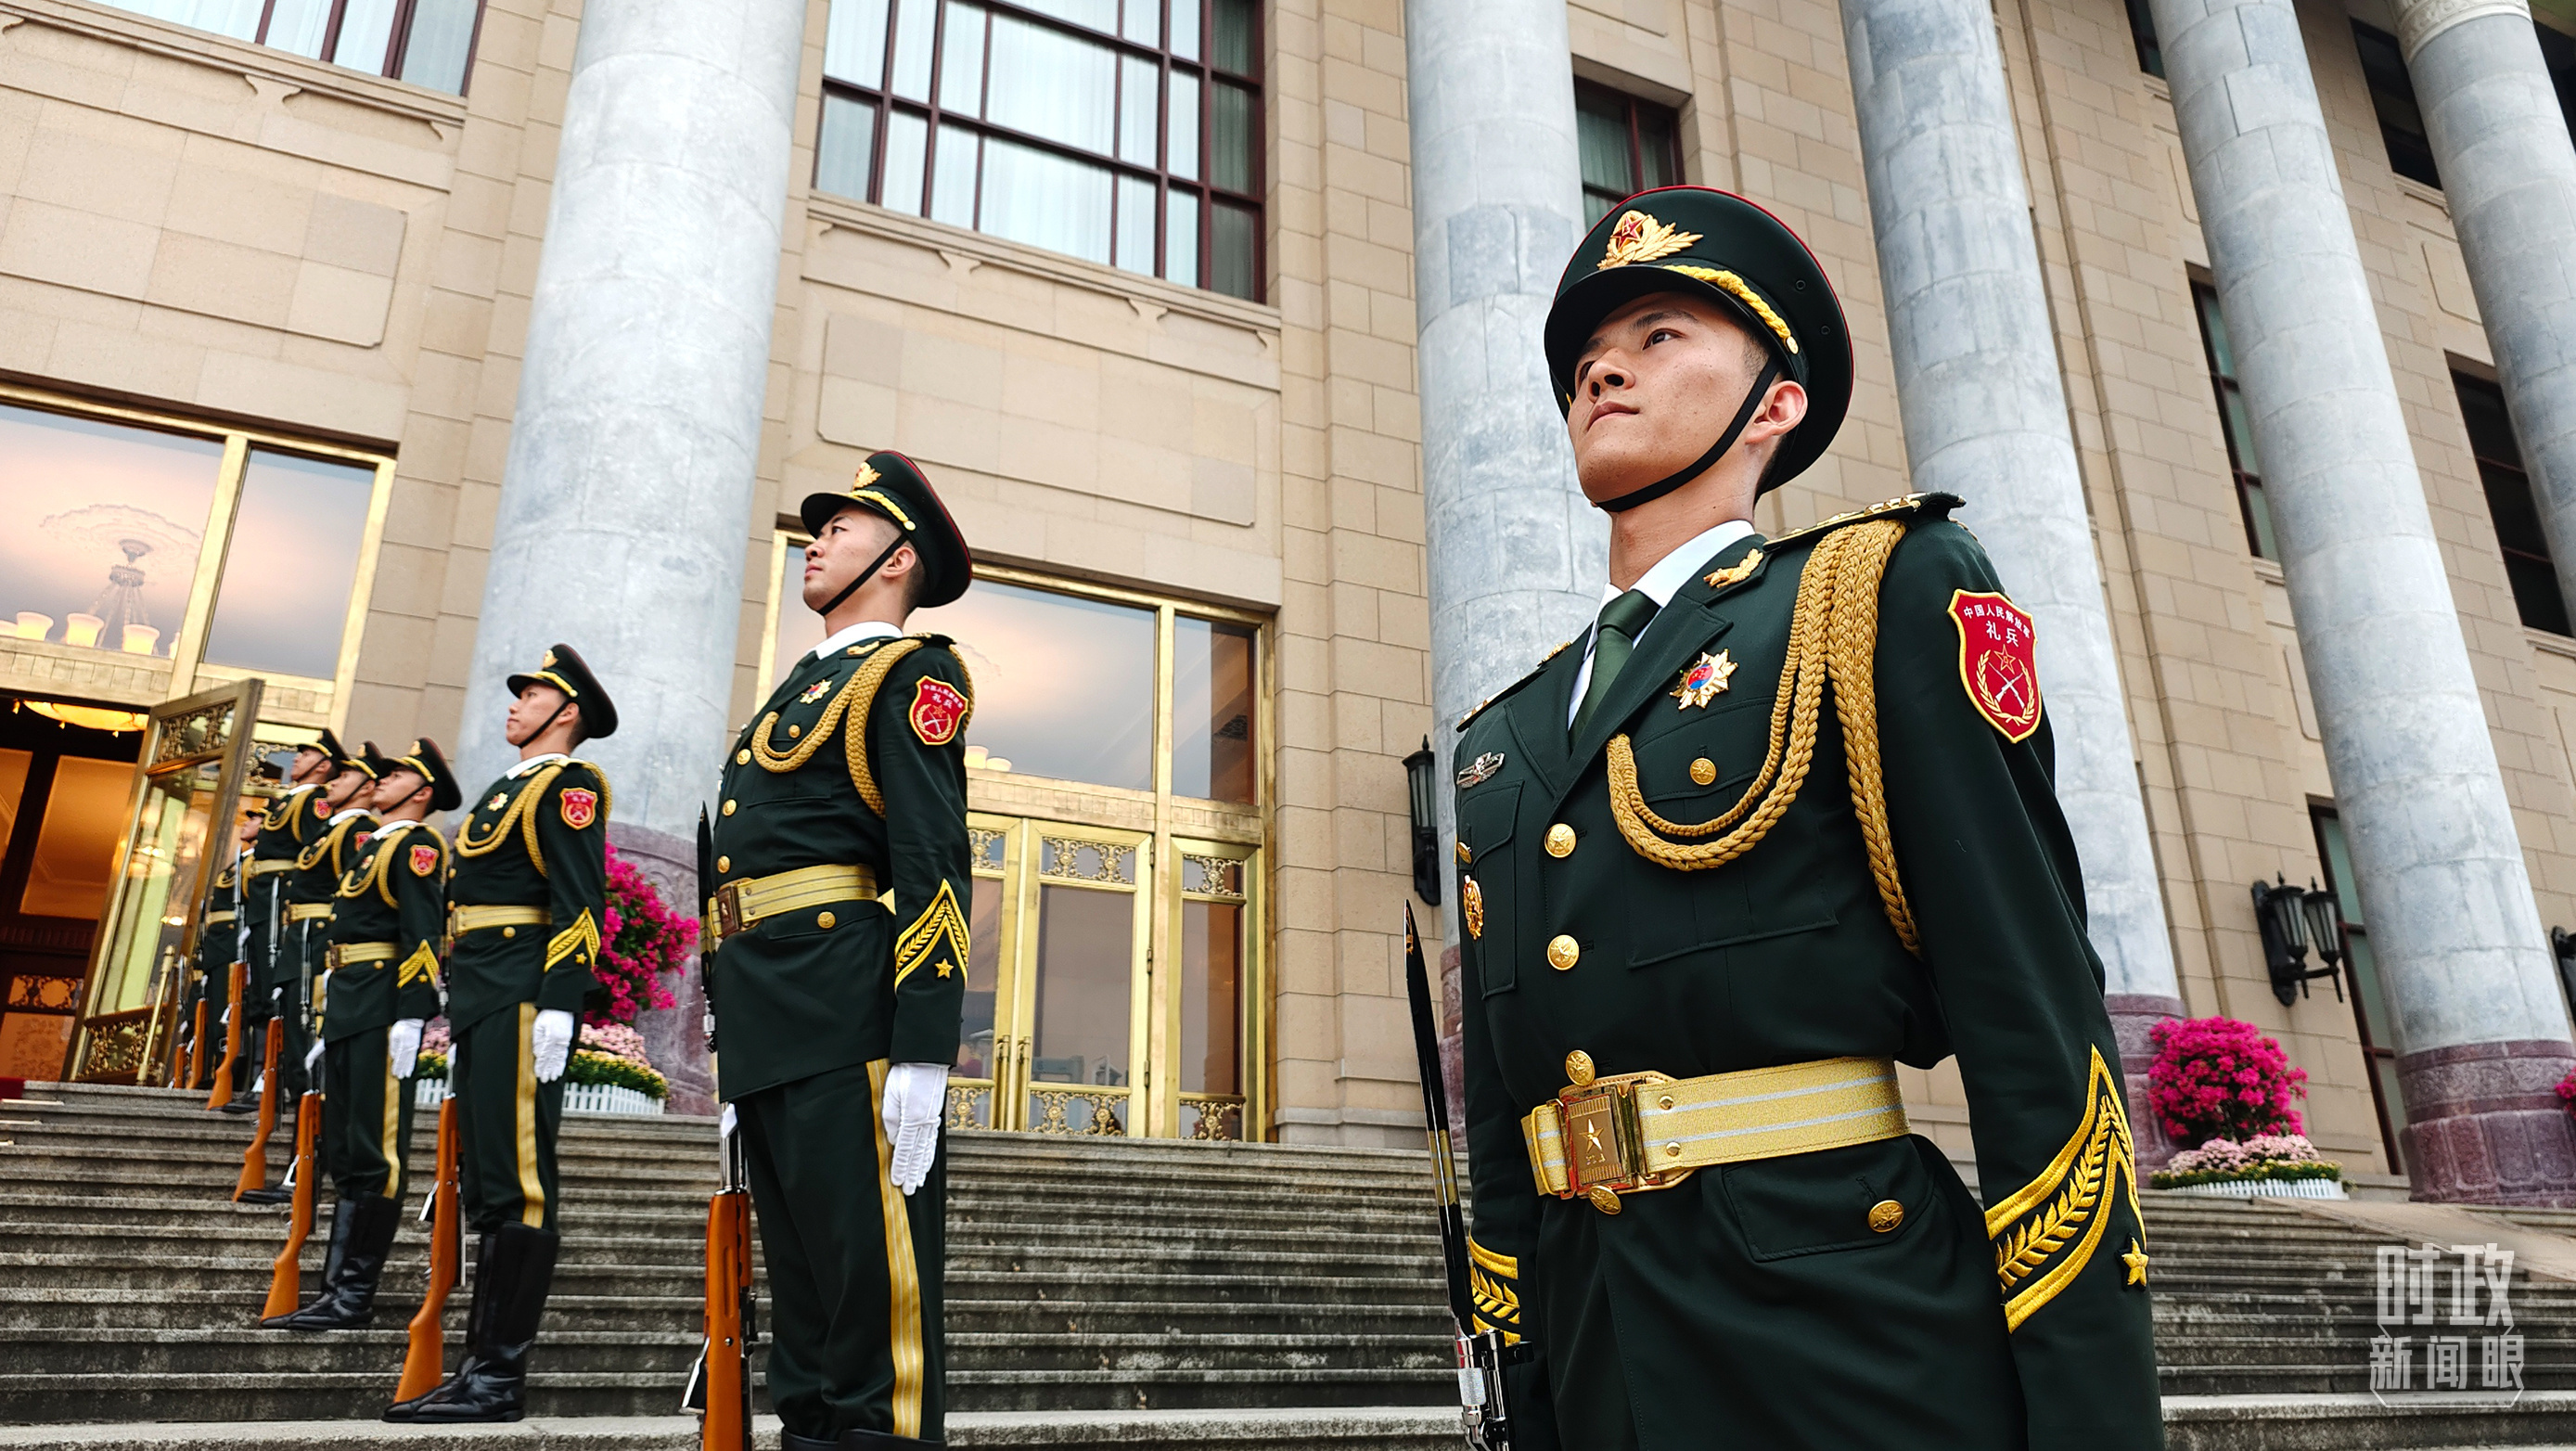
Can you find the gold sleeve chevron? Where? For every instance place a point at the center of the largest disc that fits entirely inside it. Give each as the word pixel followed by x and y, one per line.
pixel 579 942
pixel 939 933
pixel 1493 1282
pixel 421 966
pixel 2047 1231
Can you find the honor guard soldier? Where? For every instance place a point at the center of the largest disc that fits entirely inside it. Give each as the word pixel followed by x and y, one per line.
pixel 1709 903
pixel 311 889
pixel 294 819
pixel 836 1018
pixel 527 903
pixel 218 948
pixel 387 920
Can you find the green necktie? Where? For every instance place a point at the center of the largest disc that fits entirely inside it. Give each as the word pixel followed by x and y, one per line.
pixel 1621 621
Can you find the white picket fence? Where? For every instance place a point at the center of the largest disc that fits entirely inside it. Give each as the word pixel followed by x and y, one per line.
pixel 429 1093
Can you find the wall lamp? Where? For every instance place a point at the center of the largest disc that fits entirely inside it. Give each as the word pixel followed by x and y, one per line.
pixel 1422 777
pixel 2294 919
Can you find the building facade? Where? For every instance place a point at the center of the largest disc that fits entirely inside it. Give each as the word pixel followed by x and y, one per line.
pixel 1136 284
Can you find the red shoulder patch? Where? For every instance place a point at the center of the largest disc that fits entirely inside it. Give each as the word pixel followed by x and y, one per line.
pixel 424 860
pixel 1998 663
pixel 938 709
pixel 321 808
pixel 580 807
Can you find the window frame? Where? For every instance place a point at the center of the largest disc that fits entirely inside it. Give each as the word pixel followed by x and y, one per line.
pixel 884 104
pixel 1630 105
pixel 2374 1055
pixel 2250 495
pixel 2418 148
pixel 189 669
pixel 2461 383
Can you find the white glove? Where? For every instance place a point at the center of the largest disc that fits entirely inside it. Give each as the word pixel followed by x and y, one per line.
pixel 277 994
pixel 550 1043
pixel 312 1055
pixel 403 1047
pixel 915 1096
pixel 727 1122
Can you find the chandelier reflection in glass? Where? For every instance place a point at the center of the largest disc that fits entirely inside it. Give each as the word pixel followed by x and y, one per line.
pixel 118 618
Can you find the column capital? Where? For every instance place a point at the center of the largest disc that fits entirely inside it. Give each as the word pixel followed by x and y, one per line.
pixel 2418 21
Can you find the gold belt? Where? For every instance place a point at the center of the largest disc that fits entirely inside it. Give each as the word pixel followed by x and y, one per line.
pixel 265 865
pixel 350 954
pixel 1630 1132
pixel 464 919
pixel 739 906
pixel 217 919
pixel 307 911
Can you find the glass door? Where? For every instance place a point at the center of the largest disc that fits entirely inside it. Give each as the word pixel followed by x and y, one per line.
pixel 1210 1037
pixel 186 780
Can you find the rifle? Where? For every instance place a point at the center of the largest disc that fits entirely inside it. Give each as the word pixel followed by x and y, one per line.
pixel 1485 1413
pixel 254 1173
pixel 223 1093
pixel 285 1278
pixel 197 1045
pixel 720 1383
pixel 425 1363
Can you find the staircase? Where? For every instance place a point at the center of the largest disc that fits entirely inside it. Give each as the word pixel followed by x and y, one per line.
pixel 1099 1293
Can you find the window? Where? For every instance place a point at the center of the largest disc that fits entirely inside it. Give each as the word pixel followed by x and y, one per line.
pixel 218 552
pixel 2510 505
pixel 2558 53
pixel 1125 132
pixel 1627 146
pixel 2377 1026
pixel 2142 31
pixel 2392 95
pixel 425 42
pixel 2234 423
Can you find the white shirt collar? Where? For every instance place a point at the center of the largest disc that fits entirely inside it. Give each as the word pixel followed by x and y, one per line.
pixel 533 762
pixel 863 630
pixel 1674 570
pixel 345 812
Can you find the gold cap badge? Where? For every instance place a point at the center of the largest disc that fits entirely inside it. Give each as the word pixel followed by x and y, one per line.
pixel 1640 238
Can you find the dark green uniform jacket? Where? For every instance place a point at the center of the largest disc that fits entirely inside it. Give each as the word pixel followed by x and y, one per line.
pixel 293 821
pixel 316 880
pixel 219 941
pixel 810 991
pixel 1763 1303
pixel 538 837
pixel 395 891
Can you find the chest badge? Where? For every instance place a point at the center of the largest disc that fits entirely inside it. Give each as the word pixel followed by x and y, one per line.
pixel 424 860
pixel 1480 770
pixel 1704 680
pixel 1471 908
pixel 1998 663
pixel 580 807
pixel 814 692
pixel 499 799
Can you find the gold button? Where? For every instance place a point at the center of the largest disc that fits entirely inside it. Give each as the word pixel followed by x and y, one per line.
pixel 1703 770
pixel 728 808
pixel 724 863
pixel 825 920
pixel 1560 840
pixel 1673 1150
pixel 1578 1068
pixel 742 758
pixel 1463 858
pixel 1885 1216
pixel 1561 952
pixel 794 731
pixel 509 931
pixel 1604 1198
pixel 1665 1102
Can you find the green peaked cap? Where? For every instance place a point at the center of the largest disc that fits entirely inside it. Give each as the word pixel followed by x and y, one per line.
pixel 1720 248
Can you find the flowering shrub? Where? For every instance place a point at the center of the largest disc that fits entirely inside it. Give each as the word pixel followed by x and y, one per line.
pixel 2263 1156
pixel 642 942
pixel 2218 1078
pixel 2567 1091
pixel 435 1045
pixel 607 1053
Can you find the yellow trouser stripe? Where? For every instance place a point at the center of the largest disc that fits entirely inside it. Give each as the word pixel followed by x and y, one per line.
pixel 532 1190
pixel 903 1274
pixel 392 1145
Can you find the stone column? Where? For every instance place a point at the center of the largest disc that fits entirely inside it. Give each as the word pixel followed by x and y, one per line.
pixel 2510 177
pixel 627 495
pixel 1984 409
pixel 2481 1036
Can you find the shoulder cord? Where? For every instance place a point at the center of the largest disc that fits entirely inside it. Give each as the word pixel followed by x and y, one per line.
pixel 1833 638
pixel 310 857
pixel 519 815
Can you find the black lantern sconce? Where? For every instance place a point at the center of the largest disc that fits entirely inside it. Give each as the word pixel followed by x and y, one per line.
pixel 1423 780
pixel 2562 945
pixel 2292 920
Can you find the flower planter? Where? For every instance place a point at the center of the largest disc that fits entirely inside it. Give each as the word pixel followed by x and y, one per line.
pixel 2264 1189
pixel 429 1093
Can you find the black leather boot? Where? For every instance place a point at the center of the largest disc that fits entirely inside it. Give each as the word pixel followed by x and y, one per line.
pixel 856 1440
pixel 492 1385
pixel 245 1101
pixel 790 1441
pixel 335 1263
pixel 478 1324
pixel 348 1298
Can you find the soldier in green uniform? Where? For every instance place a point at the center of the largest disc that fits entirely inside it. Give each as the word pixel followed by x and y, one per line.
pixel 387 920
pixel 218 948
pixel 1781 820
pixel 840 972
pixel 527 902
pixel 293 820
pixel 310 890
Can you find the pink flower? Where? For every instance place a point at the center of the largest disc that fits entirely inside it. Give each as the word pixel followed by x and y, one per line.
pixel 2219 1080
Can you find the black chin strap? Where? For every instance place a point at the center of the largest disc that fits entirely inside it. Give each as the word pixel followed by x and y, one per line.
pixel 1716 451
pixel 544 726
pixel 870 572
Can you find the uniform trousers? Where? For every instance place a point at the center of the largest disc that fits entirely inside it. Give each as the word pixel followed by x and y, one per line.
pixel 366 1115
pixel 854 1264
pixel 299 966
pixel 506 1122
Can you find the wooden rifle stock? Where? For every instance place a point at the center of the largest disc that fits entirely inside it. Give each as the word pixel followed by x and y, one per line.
pixel 254 1174
pixel 286 1277
pixel 223 1093
pixel 425 1363
pixel 197 1045
pixel 729 1296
